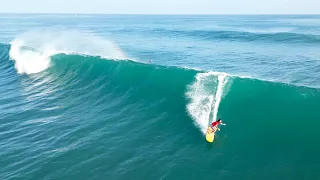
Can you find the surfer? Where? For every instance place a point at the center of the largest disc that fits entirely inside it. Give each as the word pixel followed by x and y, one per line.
pixel 216 123
pixel 212 129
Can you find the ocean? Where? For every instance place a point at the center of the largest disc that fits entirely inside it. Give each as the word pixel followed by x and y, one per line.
pixel 130 96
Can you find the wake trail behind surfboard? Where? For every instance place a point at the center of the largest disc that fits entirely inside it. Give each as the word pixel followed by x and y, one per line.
pixel 205 95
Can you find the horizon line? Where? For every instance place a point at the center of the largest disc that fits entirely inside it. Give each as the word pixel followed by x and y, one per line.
pixel 204 14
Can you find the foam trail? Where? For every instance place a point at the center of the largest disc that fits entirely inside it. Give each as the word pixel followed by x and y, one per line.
pixel 32 50
pixel 205 95
pixel 222 81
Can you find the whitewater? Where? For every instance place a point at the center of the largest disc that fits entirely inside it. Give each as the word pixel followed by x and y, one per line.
pixel 32 54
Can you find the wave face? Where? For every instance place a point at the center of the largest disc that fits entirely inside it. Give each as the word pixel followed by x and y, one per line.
pixel 83 102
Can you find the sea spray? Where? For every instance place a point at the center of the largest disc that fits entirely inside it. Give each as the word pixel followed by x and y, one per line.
pixel 222 80
pixel 205 96
pixel 33 54
pixel 28 60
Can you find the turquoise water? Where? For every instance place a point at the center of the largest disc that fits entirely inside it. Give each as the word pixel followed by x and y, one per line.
pixel 80 99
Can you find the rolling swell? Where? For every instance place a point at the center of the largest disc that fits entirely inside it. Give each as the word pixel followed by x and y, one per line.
pixel 171 88
pixel 175 91
pixel 286 37
pixel 80 102
pixel 128 81
pixel 242 36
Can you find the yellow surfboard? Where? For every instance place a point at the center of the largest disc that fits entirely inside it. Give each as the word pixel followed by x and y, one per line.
pixel 210 134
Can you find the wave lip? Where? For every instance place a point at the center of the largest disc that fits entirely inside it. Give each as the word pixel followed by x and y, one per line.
pixel 27 60
pixel 32 51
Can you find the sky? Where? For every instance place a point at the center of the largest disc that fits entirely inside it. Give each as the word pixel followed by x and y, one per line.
pixel 162 6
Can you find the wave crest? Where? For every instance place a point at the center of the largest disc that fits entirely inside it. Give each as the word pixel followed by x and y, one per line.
pixel 32 50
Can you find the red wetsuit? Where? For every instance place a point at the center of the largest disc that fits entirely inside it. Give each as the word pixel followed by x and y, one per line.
pixel 215 123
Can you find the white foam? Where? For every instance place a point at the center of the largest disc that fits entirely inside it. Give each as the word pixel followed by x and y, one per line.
pixel 32 50
pixel 268 31
pixel 28 61
pixel 205 95
pixel 257 30
pixel 221 82
pixel 241 76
